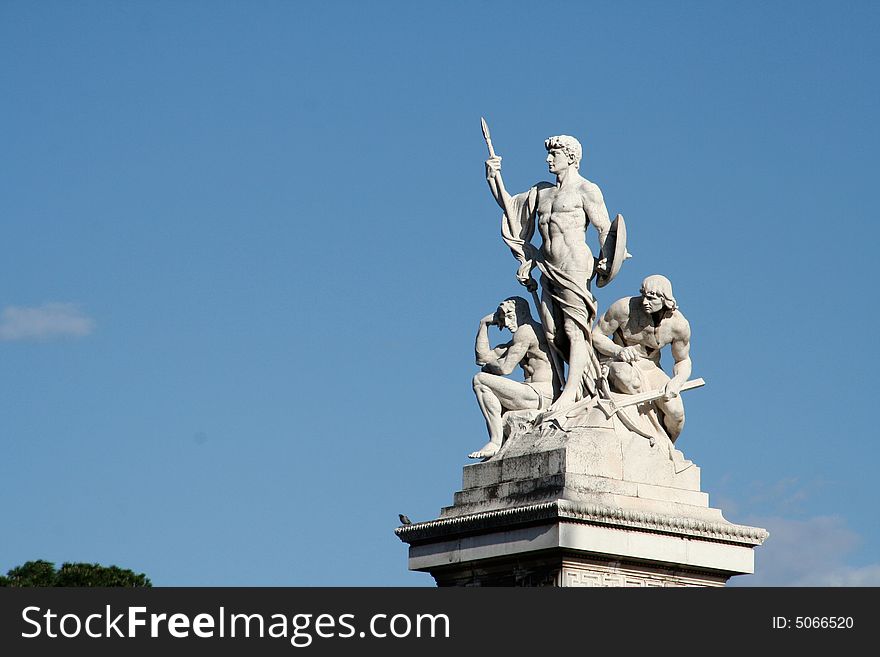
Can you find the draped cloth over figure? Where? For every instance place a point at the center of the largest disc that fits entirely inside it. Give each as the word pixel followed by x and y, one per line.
pixel 563 292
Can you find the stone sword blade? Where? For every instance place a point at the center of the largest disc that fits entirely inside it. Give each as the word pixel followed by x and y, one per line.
pixel 610 406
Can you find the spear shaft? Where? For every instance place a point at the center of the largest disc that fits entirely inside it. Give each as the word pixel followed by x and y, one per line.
pixel 555 356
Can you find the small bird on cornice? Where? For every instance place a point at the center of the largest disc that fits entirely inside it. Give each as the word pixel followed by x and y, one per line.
pixel 404 520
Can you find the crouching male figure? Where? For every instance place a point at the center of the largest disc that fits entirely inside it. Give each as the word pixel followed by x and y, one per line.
pixel 527 348
pixel 641 327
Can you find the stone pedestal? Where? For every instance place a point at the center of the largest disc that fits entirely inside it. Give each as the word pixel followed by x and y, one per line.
pixel 597 506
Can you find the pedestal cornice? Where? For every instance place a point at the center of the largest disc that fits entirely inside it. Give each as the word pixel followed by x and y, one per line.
pixel 567 510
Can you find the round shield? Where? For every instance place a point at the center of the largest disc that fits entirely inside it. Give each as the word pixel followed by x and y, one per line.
pixel 614 251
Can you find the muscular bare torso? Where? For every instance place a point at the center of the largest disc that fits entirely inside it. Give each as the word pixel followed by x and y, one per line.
pixel 535 366
pixel 562 221
pixel 638 328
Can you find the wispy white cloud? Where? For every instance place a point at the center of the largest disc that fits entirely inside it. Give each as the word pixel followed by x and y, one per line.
pixel 45 322
pixel 848 576
pixel 810 552
pixel 785 496
pixel 802 550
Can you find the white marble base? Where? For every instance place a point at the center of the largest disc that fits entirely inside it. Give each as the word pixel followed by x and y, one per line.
pixel 567 544
pixel 594 508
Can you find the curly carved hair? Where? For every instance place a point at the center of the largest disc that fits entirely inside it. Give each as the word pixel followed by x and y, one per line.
pixel 568 145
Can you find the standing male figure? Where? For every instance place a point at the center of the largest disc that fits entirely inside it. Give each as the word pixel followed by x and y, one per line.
pixel 526 348
pixel 642 326
pixel 566 263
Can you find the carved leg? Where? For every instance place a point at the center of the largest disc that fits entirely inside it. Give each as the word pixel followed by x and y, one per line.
pixel 672 412
pixel 490 406
pixel 578 356
pixel 495 395
pixel 624 378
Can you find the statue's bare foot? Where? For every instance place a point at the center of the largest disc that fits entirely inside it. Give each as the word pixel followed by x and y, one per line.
pixel 487 451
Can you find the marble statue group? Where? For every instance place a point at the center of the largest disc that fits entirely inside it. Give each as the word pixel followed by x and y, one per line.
pixel 581 481
pixel 581 368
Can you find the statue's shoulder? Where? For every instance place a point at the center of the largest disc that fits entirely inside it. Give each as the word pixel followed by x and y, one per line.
pixel 621 308
pixel 590 189
pixel 629 305
pixel 525 333
pixel 680 325
pixel 532 193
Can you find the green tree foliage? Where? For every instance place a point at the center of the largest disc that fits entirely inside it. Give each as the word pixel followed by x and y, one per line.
pixel 43 573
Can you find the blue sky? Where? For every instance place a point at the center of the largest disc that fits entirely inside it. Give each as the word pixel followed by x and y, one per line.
pixel 246 246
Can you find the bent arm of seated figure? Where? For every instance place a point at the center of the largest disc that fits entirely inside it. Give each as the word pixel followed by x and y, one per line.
pixel 483 353
pixel 681 370
pixel 608 324
pixel 505 364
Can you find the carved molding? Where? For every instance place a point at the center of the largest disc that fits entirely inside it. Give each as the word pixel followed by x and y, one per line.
pixel 578 512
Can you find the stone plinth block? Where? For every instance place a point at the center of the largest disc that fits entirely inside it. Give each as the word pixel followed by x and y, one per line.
pixel 594 507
